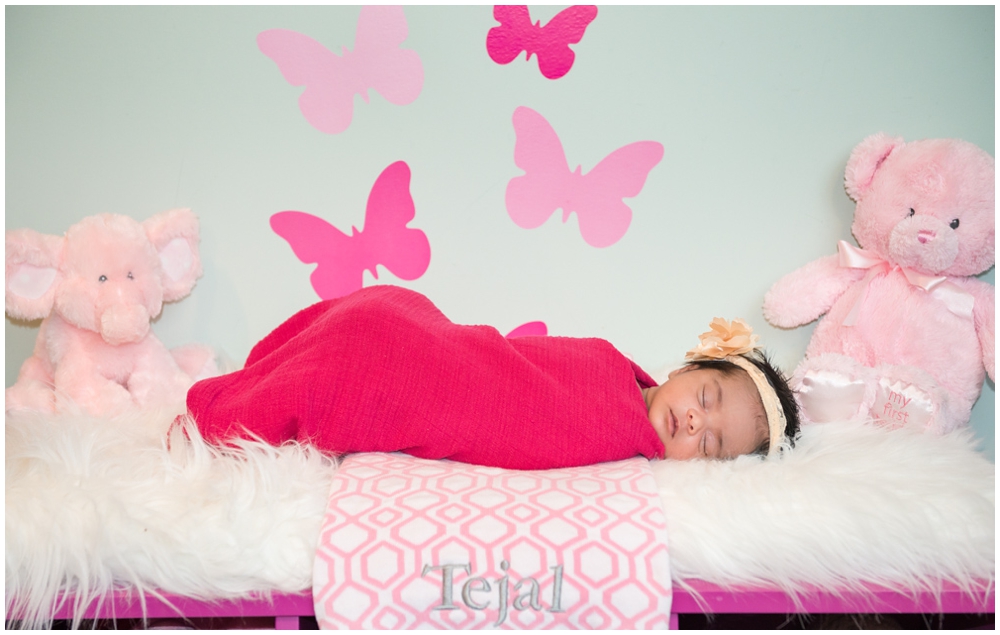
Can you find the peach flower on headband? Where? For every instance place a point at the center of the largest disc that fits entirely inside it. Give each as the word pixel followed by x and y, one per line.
pixel 726 339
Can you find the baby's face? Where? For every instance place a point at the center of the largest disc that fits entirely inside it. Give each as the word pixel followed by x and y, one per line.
pixel 704 413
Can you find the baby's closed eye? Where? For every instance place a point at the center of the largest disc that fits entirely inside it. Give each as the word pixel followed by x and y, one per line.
pixel 708 446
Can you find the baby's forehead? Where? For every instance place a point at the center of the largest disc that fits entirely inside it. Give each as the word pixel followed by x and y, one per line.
pixel 740 394
pixel 733 377
pixel 739 385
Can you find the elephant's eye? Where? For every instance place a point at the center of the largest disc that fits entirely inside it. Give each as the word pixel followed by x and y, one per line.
pixel 954 223
pixel 103 278
pixel 912 212
pixel 130 276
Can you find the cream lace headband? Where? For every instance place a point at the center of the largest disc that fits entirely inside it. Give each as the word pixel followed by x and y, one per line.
pixel 729 342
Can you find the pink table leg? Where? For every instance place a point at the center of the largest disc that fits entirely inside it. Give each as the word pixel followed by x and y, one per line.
pixel 286 623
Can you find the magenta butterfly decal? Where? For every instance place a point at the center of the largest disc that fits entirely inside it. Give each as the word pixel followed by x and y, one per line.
pixel 385 239
pixel 550 43
pixel 529 328
pixel 596 196
pixel 331 81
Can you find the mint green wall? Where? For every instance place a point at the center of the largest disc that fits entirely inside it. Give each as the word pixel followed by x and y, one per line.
pixel 135 110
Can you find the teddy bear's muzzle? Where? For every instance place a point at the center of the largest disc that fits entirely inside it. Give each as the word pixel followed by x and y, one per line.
pixel 123 324
pixel 923 243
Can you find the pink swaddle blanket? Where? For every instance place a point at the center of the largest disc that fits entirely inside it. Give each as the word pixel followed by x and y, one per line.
pixel 411 543
pixel 383 370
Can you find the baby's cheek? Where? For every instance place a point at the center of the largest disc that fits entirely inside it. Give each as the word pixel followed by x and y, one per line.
pixel 660 434
pixel 659 426
pixel 678 450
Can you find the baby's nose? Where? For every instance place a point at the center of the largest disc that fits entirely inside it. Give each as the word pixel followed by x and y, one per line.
pixel 694 420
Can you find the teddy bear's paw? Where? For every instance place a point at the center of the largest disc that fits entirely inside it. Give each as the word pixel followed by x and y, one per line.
pixel 832 387
pixel 830 394
pixel 909 397
pixel 826 396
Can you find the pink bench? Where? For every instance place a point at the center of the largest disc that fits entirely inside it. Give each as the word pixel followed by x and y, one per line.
pixel 287 609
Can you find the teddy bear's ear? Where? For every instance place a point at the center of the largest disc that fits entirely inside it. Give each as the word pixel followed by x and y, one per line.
pixel 32 261
pixel 866 159
pixel 174 234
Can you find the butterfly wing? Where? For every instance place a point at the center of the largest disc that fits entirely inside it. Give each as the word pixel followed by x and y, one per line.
pixel 378 61
pixel 339 263
pixel 529 329
pixel 387 240
pixel 604 217
pixel 555 57
pixel 533 197
pixel 505 42
pixel 327 101
pixel 569 25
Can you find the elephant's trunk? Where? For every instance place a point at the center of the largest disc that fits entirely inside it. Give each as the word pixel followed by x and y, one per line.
pixel 124 324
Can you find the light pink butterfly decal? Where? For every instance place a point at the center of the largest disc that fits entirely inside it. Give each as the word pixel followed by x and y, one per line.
pixel 385 239
pixel 596 196
pixel 550 43
pixel 529 328
pixel 377 62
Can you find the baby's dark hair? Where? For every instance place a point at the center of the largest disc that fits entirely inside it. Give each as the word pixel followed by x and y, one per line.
pixel 778 382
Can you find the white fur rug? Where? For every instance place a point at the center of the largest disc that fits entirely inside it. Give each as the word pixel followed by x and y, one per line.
pixel 851 504
pixel 95 504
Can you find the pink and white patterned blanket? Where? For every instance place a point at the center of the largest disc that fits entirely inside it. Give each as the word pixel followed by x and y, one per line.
pixel 409 543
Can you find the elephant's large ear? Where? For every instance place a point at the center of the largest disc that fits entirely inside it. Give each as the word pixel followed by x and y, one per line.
pixel 174 234
pixel 32 272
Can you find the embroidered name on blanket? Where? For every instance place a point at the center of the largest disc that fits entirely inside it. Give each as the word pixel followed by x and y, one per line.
pixel 410 543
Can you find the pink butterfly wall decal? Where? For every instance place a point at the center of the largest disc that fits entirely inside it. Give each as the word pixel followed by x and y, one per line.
pixel 331 81
pixel 529 328
pixel 550 43
pixel 596 196
pixel 385 239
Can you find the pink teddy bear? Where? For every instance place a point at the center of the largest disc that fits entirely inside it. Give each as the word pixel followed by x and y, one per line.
pixel 97 289
pixel 908 331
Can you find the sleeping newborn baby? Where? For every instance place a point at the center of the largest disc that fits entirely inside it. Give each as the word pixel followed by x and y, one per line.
pixel 383 370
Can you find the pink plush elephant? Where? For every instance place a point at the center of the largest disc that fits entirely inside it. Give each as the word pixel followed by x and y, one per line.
pixel 97 289
pixel 908 331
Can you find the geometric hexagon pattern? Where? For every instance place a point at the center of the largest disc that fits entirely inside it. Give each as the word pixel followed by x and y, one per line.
pixel 414 543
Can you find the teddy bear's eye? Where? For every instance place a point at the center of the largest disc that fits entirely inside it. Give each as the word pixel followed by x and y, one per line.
pixel 130 276
pixel 103 278
pixel 954 223
pixel 912 212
